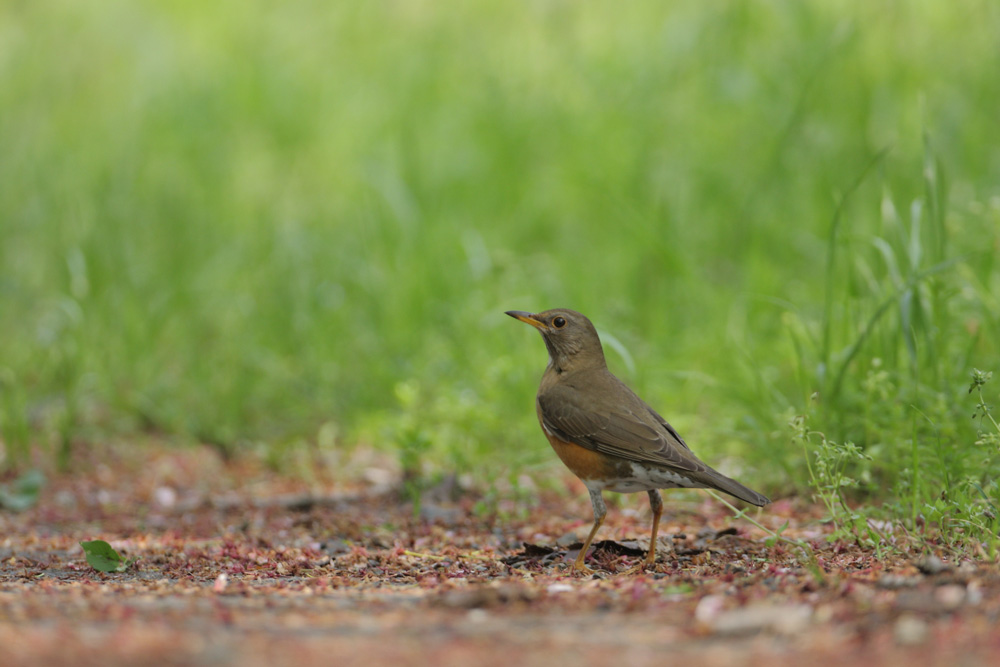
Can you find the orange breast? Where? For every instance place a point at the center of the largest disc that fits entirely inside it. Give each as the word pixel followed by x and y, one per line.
pixel 585 463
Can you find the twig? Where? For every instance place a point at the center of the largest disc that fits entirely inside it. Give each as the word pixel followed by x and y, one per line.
pixel 811 564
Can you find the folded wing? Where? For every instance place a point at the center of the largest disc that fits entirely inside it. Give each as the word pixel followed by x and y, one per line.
pixel 631 430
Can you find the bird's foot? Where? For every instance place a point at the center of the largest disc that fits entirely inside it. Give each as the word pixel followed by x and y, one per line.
pixel 579 567
pixel 642 565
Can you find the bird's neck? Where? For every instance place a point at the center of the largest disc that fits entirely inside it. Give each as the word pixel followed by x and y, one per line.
pixel 568 355
pixel 574 363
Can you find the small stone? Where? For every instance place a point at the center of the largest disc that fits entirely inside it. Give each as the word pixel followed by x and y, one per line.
pixel 567 540
pixel 951 596
pixel 708 608
pixel 966 570
pixel 931 565
pixel 478 616
pixel 336 546
pixel 896 581
pixel 910 630
pixel 469 598
pixel 974 594
pixel 783 620
pixel 485 596
pixel 824 613
pixel 165 496
pixel 434 513
pixel 915 600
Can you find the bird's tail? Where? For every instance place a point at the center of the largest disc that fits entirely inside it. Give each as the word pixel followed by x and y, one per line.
pixel 716 480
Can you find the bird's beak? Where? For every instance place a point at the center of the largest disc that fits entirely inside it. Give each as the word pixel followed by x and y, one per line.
pixel 527 318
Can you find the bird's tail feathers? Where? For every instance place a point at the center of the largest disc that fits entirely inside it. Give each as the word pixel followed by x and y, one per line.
pixel 716 480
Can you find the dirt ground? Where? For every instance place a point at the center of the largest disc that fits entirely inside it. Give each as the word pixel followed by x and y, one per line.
pixel 239 566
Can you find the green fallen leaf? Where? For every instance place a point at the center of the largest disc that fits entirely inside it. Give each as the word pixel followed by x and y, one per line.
pixel 102 557
pixel 23 492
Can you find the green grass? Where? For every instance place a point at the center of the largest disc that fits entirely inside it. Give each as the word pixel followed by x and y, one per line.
pixel 274 227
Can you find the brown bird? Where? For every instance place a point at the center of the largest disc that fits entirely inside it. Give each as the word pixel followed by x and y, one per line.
pixel 605 433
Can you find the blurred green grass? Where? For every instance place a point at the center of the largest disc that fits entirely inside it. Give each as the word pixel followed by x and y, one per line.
pixel 251 224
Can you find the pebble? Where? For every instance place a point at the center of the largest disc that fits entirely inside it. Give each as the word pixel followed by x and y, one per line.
pixel 951 596
pixel 568 539
pixel 783 620
pixel 910 630
pixel 931 565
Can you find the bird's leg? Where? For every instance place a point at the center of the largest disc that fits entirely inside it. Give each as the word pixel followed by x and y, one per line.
pixel 656 504
pixel 600 511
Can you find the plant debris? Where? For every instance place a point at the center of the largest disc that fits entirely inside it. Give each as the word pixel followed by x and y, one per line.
pixel 229 572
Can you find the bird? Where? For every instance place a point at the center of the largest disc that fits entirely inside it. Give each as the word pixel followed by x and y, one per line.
pixel 605 434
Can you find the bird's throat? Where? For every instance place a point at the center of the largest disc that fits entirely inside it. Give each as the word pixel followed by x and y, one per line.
pixel 557 359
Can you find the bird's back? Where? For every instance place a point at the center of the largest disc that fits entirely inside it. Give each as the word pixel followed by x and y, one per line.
pixel 592 408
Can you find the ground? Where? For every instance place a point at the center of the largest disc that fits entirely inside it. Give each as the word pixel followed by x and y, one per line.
pixel 241 566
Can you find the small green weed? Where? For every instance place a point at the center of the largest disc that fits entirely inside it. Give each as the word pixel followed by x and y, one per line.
pixel 833 468
pixel 102 557
pixel 991 437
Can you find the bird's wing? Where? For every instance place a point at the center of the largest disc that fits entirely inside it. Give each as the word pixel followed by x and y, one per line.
pixel 670 429
pixel 630 430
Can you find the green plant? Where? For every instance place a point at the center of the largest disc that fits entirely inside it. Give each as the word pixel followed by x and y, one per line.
pixel 984 411
pixel 102 557
pixel 221 232
pixel 984 517
pixel 831 466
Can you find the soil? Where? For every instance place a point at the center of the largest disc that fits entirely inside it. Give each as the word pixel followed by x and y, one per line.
pixel 238 565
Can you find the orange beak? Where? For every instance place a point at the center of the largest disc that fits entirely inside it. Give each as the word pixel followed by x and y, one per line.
pixel 527 318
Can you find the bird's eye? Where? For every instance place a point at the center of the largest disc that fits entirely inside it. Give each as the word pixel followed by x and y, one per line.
pixel 559 322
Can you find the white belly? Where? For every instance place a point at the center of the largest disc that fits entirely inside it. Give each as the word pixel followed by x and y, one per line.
pixel 643 478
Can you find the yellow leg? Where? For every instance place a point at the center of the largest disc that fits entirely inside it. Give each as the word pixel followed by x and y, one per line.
pixel 656 504
pixel 600 511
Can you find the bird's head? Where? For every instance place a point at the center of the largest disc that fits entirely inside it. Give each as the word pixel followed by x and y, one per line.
pixel 570 337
